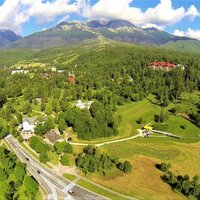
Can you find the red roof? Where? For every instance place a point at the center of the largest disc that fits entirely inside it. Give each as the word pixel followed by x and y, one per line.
pixel 163 64
pixel 71 79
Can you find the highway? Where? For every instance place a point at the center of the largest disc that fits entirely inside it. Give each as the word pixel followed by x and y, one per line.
pixel 50 181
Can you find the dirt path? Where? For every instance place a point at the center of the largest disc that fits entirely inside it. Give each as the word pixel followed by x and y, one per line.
pixel 110 142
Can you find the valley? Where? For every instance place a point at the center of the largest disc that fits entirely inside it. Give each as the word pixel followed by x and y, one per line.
pixel 101 92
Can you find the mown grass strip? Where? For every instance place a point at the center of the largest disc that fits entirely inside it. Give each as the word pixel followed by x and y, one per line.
pixel 98 190
pixel 69 177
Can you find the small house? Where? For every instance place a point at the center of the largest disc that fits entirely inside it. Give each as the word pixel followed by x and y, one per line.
pixel 53 136
pixel 28 124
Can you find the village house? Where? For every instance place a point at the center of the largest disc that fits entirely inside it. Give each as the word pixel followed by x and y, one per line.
pixel 28 124
pixel 52 136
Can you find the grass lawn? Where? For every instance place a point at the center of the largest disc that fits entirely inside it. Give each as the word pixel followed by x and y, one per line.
pixel 160 148
pixel 176 124
pixel 54 158
pixel 142 182
pixel 69 177
pixel 131 112
pixel 98 190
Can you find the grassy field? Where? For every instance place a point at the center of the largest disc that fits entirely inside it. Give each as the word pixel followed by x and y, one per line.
pixel 130 113
pixel 143 181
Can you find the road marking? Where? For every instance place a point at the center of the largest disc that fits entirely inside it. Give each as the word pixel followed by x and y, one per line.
pixel 68 187
pixel 91 197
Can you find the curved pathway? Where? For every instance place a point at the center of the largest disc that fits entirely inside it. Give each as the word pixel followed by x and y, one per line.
pixel 109 142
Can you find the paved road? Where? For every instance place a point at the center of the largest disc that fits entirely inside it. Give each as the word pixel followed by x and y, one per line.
pixel 50 181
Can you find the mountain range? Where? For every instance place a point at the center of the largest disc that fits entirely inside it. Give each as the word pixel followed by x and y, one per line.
pixel 75 32
pixel 7 36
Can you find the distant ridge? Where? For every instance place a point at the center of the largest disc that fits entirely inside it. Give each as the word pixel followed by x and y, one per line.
pixel 67 33
pixel 7 36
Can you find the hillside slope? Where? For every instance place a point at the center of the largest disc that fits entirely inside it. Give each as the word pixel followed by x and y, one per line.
pixel 190 46
pixel 67 33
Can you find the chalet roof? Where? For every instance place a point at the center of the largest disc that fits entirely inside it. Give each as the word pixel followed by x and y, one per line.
pixel 53 135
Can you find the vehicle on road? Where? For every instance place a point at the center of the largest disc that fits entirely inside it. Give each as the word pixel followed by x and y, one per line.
pixel 71 192
pixel 38 172
pixel 27 159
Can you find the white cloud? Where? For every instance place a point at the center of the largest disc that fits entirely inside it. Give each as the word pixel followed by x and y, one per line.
pixel 178 33
pixel 63 19
pixel 192 12
pixel 160 16
pixel 9 10
pixel 14 13
pixel 46 12
pixel 195 34
pixel 164 14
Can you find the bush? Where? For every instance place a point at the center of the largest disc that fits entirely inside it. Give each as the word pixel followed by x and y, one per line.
pixel 140 121
pixel 61 147
pixel 20 139
pixel 163 167
pixel 64 160
pixel 31 186
pixel 44 158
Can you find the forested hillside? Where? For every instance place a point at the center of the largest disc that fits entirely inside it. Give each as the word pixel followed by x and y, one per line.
pixel 109 76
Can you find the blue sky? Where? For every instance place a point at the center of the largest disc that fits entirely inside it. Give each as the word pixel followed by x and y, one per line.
pixel 180 17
